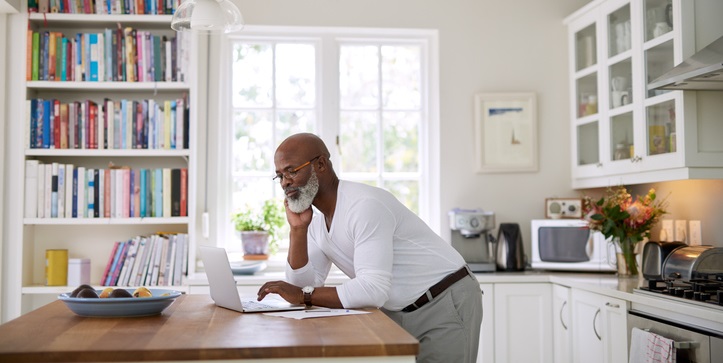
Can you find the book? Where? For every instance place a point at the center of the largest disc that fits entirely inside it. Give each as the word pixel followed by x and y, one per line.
pixel 128 261
pixel 31 187
pixel 41 191
pixel 175 192
pixel 116 259
pixel 184 192
pixel 140 250
pixel 49 188
pixel 90 197
pixel 97 192
pixel 160 279
pixel 94 56
pixel 155 243
pixel 107 190
pixel 55 136
pixel 109 264
pixel 170 261
pixel 178 264
pixel 69 191
pixel 60 209
pixel 81 192
pixel 36 57
pixel 63 126
pixel 161 245
pixel 143 267
pixel 166 180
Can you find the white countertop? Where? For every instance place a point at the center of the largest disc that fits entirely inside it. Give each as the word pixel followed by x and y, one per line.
pixel 601 283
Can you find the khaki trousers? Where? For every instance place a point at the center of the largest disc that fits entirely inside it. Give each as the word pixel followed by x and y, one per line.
pixel 448 327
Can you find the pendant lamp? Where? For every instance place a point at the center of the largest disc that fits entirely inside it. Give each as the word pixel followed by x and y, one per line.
pixel 207 16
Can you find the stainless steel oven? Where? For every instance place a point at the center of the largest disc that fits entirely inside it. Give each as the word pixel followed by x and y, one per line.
pixel 693 344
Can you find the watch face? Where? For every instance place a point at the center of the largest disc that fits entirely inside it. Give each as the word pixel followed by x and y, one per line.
pixel 308 289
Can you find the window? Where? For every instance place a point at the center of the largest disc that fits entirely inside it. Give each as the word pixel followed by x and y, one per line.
pixel 364 92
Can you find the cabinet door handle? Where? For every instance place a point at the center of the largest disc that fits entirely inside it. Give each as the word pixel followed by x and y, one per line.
pixel 561 321
pixel 614 306
pixel 594 328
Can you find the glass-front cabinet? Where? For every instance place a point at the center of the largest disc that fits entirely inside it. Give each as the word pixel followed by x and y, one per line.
pixel 622 131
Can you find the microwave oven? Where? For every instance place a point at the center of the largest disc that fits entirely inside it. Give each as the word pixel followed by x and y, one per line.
pixel 569 245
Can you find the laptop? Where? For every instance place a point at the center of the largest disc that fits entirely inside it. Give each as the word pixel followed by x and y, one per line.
pixel 223 285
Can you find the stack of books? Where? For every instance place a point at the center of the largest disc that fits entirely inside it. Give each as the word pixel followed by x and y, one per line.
pixel 156 260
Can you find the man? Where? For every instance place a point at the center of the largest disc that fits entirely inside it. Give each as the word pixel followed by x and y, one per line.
pixel 393 259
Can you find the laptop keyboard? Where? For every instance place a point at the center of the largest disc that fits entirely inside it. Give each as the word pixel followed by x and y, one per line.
pixel 255 305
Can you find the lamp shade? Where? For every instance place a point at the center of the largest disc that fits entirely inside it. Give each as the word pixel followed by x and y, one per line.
pixel 207 16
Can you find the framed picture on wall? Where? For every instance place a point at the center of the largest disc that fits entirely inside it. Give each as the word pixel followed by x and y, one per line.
pixel 506 132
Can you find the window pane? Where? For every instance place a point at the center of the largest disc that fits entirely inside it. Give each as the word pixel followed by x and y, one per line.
pixel 406 191
pixel 252 69
pixel 295 75
pixel 359 77
pixel 251 191
pixel 401 77
pixel 293 122
pixel 358 131
pixel 252 147
pixel 401 141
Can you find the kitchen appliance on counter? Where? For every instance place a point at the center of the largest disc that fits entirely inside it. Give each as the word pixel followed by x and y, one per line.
pixel 688 275
pixel 471 237
pixel 510 254
pixel 569 245
pixel 693 274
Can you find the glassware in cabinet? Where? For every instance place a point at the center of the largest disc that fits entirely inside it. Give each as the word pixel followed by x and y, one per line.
pixel 620 83
pixel 658 18
pixel 586 48
pixel 619 31
pixel 661 130
pixel 587 97
pixel 621 136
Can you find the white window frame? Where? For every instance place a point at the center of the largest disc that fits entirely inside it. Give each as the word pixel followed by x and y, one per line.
pixel 218 200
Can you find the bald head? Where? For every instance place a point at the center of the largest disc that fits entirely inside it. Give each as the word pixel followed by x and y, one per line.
pixel 304 146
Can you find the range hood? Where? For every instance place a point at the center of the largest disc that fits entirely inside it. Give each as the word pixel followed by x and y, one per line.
pixel 703 71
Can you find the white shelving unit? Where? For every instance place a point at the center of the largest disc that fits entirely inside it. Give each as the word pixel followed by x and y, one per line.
pixel 93 238
pixel 622 132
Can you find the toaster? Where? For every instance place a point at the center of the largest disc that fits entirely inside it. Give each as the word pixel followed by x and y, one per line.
pixel 654 255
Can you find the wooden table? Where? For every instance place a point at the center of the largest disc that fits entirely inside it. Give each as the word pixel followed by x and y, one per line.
pixel 193 328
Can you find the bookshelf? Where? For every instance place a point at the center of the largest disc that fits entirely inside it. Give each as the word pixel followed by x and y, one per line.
pixel 144 148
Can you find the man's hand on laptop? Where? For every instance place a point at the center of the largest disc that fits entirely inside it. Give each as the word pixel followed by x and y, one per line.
pixel 287 291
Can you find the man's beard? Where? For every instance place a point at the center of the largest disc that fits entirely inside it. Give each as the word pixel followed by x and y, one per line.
pixel 306 195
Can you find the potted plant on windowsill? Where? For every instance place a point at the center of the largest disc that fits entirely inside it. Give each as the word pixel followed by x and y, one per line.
pixel 259 229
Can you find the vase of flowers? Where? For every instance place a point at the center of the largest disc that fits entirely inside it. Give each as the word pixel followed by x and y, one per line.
pixel 624 221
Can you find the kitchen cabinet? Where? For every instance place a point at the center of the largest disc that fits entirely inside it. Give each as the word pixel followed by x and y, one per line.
pixel 599 324
pixel 621 131
pixel 29 232
pixel 523 323
pixel 561 324
pixel 486 353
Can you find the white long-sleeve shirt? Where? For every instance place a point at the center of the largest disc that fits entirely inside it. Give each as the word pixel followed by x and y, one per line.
pixel 390 255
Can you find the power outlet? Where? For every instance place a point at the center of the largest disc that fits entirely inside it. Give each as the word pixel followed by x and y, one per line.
pixel 666 231
pixel 696 239
pixel 681 230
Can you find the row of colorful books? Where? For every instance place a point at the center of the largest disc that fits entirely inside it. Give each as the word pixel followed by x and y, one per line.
pixel 64 191
pixel 113 55
pixel 114 124
pixel 104 6
pixel 156 260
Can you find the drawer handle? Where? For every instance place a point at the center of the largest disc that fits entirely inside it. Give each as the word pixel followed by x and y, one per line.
pixel 614 306
pixel 594 328
pixel 561 308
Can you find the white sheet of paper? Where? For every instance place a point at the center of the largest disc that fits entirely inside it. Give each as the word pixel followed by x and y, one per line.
pixel 316 313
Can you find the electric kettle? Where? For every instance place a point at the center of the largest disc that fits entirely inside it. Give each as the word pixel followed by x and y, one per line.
pixel 510 252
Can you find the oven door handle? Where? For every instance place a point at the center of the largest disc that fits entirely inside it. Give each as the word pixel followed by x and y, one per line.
pixel 686 345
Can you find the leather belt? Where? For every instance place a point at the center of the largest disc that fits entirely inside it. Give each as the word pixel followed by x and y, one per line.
pixel 437 289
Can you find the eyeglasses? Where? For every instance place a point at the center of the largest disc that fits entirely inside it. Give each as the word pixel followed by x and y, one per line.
pixel 291 174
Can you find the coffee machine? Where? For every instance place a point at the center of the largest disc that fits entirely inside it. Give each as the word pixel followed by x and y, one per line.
pixel 472 239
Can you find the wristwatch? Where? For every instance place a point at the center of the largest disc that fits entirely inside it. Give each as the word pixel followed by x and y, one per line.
pixel 307 290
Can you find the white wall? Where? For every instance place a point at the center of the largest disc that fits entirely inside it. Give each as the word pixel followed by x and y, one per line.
pixel 485 46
